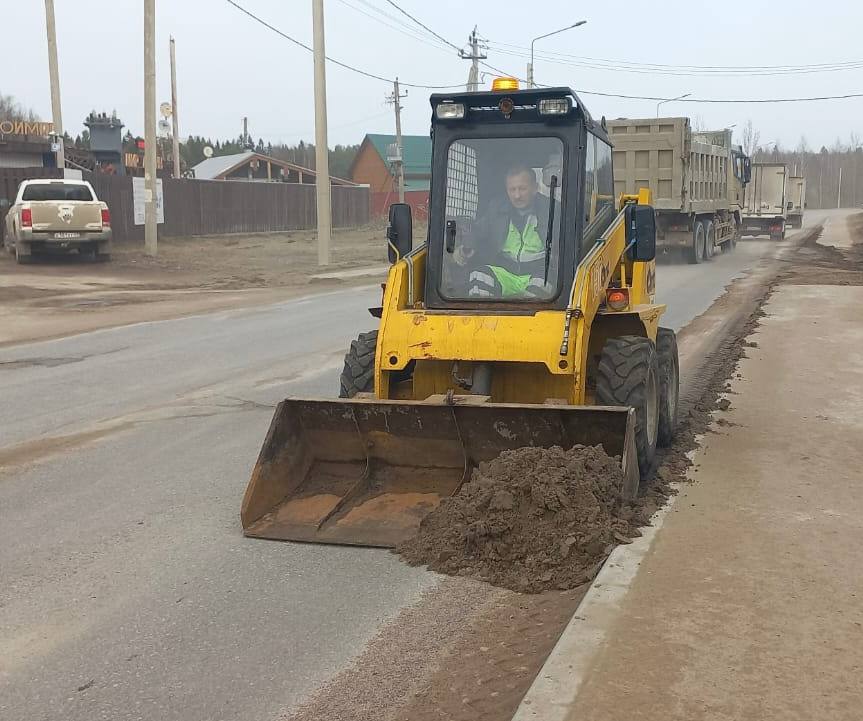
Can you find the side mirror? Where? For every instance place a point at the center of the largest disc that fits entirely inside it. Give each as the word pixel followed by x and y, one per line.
pixel 641 232
pixel 400 232
pixel 790 205
pixel 747 170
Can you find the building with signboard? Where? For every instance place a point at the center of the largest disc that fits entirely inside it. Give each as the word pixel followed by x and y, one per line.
pixel 25 144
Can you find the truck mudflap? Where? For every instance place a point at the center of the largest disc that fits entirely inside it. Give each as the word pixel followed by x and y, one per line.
pixel 366 472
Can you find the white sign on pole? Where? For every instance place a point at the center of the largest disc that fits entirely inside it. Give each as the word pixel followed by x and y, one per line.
pixel 139 196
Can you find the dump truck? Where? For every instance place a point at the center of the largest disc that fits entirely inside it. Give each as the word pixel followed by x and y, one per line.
pixel 527 317
pixel 57 215
pixel 696 180
pixel 764 206
pixel 795 203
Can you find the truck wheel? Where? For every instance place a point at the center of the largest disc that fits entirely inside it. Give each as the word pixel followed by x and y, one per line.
pixel 358 375
pixel 695 252
pixel 628 375
pixel 20 258
pixel 731 243
pixel 669 385
pixel 709 239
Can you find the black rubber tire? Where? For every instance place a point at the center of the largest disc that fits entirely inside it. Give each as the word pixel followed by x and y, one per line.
pixel 23 259
pixel 709 240
pixel 628 375
pixel 695 252
pixel 358 375
pixel 669 385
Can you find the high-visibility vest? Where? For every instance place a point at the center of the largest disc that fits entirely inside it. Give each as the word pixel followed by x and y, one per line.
pixel 523 247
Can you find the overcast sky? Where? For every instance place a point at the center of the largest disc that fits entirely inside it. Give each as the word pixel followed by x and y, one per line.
pixel 229 66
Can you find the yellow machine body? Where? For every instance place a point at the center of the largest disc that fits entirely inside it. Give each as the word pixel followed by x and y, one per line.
pixel 366 470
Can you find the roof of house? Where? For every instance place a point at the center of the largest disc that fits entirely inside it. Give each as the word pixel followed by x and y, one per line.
pixel 219 166
pixel 215 167
pixel 416 149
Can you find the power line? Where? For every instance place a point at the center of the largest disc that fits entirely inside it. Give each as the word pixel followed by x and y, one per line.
pixel 564 59
pixel 365 73
pixel 846 96
pixel 398 27
pixel 423 26
pixel 738 68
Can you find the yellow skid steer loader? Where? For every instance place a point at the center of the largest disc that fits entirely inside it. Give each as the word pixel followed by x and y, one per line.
pixel 526 318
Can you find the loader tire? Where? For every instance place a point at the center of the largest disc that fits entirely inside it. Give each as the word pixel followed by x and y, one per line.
pixel 628 375
pixel 358 375
pixel 669 385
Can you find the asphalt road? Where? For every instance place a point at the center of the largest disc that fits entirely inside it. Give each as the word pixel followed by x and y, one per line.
pixel 127 590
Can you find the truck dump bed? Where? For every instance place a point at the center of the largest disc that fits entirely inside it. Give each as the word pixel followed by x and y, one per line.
pixel 685 172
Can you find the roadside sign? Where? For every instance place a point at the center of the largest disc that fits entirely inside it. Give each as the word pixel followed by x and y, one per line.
pixel 139 198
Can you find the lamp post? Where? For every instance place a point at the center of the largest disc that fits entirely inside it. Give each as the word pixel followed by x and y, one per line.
pixel 530 82
pixel 670 100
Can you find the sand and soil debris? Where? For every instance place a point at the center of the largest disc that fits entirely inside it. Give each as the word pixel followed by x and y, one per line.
pixel 530 520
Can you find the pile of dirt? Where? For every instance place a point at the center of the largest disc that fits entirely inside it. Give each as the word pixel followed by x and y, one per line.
pixel 530 520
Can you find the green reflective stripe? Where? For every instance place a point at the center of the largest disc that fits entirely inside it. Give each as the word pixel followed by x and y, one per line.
pixel 510 283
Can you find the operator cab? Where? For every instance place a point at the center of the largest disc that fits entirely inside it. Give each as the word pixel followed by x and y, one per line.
pixel 522 187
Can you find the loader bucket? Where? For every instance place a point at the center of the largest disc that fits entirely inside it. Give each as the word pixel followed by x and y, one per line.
pixel 366 472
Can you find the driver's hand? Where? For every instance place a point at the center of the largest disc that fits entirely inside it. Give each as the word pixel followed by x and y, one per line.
pixel 462 255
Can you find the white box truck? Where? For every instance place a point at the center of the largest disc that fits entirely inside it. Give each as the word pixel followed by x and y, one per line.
pixel 795 203
pixel 764 204
pixel 696 179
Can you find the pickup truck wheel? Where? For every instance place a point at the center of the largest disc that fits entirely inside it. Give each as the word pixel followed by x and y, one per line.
pixel 695 252
pixel 20 258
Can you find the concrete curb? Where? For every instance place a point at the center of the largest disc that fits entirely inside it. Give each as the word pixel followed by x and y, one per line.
pixel 376 270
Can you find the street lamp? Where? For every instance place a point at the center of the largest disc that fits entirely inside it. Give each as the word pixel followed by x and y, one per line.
pixel 670 100
pixel 530 82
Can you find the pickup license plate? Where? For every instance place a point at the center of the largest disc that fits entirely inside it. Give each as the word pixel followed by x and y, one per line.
pixel 67 235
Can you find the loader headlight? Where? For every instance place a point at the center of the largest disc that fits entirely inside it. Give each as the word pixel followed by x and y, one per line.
pixel 450 111
pixel 555 106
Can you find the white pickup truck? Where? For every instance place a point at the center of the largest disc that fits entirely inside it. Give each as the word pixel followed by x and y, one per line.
pixel 58 215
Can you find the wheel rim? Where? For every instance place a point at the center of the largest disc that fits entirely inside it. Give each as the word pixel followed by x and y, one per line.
pixel 651 409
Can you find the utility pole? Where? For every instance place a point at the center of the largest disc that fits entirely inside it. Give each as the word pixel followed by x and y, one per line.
pixel 150 228
pixel 474 56
pixel 839 192
pixel 322 160
pixel 176 123
pixel 54 72
pixel 395 100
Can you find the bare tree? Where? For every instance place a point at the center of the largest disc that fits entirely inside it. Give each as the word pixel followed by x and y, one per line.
pixel 751 138
pixel 11 109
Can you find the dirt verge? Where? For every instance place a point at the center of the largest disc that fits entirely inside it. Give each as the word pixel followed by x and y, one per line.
pixel 62 295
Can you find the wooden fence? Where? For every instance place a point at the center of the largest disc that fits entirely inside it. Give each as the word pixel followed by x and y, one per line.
pixel 213 207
